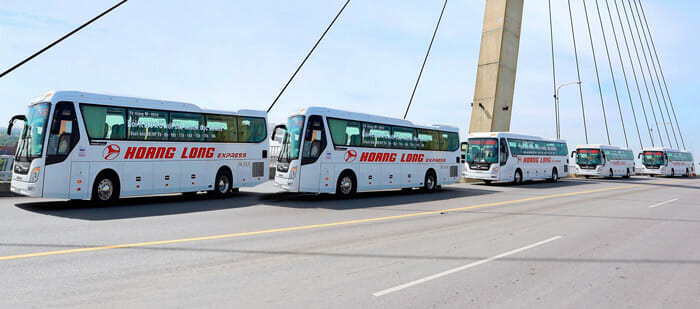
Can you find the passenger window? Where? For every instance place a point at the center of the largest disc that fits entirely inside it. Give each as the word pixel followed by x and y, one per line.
pixel 403 138
pixel 376 135
pixel 251 130
pixel 314 140
pixel 221 128
pixel 148 125
pixel 428 140
pixel 64 133
pixel 449 141
pixel 187 127
pixel 104 122
pixel 345 133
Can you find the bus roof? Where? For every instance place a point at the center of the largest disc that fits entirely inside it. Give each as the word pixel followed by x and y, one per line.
pixel 133 102
pixel 512 135
pixel 600 146
pixel 664 149
pixel 336 113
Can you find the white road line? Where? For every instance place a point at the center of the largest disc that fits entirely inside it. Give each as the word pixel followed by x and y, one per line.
pixel 663 203
pixel 454 270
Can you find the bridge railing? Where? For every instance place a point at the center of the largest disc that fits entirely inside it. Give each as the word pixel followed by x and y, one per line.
pixel 5 168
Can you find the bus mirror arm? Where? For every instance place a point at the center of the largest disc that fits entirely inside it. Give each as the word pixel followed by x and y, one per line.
pixel 639 156
pixel 274 131
pixel 12 121
pixel 573 153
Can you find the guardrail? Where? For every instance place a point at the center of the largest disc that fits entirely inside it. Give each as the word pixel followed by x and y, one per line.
pixel 5 176
pixel 6 168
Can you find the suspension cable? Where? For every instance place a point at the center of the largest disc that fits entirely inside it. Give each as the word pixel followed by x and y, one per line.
pixel 61 39
pixel 634 73
pixel 425 59
pixel 662 74
pixel 651 77
pixel 612 74
pixel 624 73
pixel 656 73
pixel 641 70
pixel 597 75
pixel 578 71
pixel 308 54
pixel 554 71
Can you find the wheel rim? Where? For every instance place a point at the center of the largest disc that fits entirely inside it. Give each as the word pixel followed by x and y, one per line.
pixel 346 185
pixel 223 184
pixel 555 177
pixel 628 173
pixel 611 173
pixel 105 189
pixel 518 177
pixel 430 182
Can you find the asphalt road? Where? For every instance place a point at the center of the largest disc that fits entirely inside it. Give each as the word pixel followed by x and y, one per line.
pixel 576 243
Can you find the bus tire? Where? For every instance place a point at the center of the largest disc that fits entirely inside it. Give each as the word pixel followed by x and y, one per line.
pixel 346 186
pixel 555 175
pixel 488 181
pixel 105 190
pixel 222 183
pixel 518 177
pixel 587 177
pixel 673 173
pixel 687 172
pixel 430 183
pixel 612 174
pixel 628 174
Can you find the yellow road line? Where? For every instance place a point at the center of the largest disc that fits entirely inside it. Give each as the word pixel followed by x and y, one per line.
pixel 306 227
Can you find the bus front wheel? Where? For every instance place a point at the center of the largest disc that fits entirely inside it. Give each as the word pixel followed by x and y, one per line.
pixel 555 175
pixel 518 177
pixel 628 173
pixel 105 191
pixel 346 186
pixel 673 173
pixel 687 172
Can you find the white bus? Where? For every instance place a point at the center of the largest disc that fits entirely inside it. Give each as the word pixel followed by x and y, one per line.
pixel 603 161
pixel 667 162
pixel 501 156
pixel 333 151
pixel 77 145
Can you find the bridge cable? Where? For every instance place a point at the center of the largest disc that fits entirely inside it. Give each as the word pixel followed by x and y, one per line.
pixel 624 73
pixel 554 71
pixel 61 39
pixel 634 73
pixel 651 77
pixel 425 60
pixel 612 74
pixel 308 55
pixel 662 75
pixel 641 69
pixel 578 71
pixel 595 64
pixel 656 72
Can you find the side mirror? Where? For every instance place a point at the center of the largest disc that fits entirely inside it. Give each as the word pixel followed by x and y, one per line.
pixel 573 153
pixel 274 131
pixel 12 122
pixel 639 156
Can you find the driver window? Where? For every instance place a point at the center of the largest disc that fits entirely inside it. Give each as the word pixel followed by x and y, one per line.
pixel 503 152
pixel 64 133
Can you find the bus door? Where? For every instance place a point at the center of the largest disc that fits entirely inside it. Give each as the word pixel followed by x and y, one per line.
pixel 313 147
pixel 61 174
pixel 506 166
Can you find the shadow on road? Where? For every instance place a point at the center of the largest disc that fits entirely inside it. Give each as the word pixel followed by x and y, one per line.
pixel 150 206
pixel 534 184
pixel 671 182
pixel 369 199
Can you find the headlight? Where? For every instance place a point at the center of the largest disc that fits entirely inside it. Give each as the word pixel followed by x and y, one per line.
pixel 599 168
pixel 34 176
pixel 293 172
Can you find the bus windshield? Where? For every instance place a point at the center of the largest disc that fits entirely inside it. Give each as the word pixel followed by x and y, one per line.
pixel 31 140
pixel 482 150
pixel 292 139
pixel 653 158
pixel 588 157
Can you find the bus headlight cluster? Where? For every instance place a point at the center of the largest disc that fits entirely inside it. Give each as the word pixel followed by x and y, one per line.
pixel 599 168
pixel 293 172
pixel 34 175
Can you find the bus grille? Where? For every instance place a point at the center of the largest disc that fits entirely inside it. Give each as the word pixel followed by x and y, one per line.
pixel 454 171
pixel 258 169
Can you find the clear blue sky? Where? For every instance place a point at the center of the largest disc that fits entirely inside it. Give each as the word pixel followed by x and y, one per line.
pixel 238 54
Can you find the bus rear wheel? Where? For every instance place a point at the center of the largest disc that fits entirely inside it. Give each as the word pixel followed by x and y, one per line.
pixel 346 186
pixel 105 191
pixel 430 184
pixel 555 175
pixel 612 174
pixel 673 173
pixel 222 184
pixel 687 172
pixel 628 173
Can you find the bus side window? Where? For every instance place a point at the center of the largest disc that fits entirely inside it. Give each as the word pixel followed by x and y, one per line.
pixel 64 133
pixel 504 152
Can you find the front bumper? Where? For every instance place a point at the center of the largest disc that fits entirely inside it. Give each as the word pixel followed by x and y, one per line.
pixel 26 188
pixel 486 175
